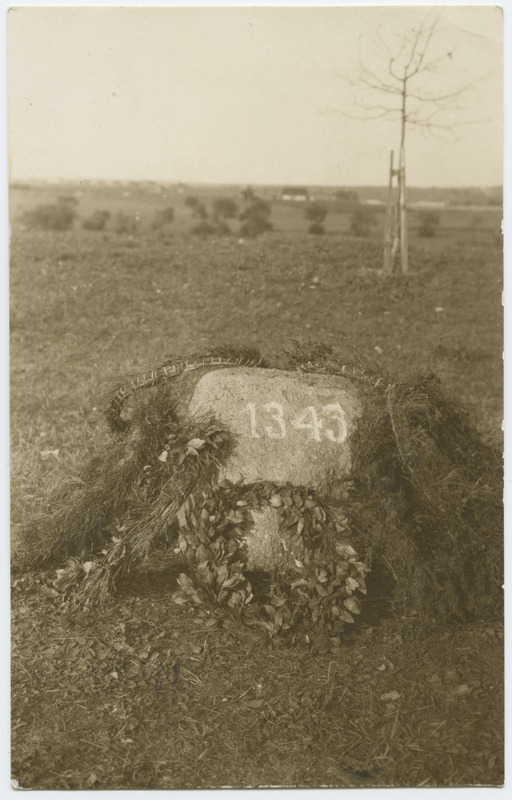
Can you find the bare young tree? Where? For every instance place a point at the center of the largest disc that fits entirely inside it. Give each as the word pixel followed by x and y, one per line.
pixel 407 85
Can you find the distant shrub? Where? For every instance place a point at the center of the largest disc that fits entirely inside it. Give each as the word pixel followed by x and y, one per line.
pixel 163 217
pixel 68 198
pixel 255 219
pixel 362 221
pixel 347 196
pixel 50 217
pixel 248 194
pixel 225 208
pixel 429 222
pixel 200 211
pixel 96 221
pixel 317 228
pixel 222 229
pixel 197 207
pixel 255 227
pixel 124 223
pixel 315 212
pixel 203 229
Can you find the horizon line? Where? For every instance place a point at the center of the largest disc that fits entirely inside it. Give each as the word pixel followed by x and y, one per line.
pixel 177 182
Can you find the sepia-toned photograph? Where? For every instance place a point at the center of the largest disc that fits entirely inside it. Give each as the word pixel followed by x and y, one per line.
pixel 256 396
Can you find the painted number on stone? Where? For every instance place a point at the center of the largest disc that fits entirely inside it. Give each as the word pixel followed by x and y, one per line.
pixel 330 422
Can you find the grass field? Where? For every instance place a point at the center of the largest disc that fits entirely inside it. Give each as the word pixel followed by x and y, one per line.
pixel 139 695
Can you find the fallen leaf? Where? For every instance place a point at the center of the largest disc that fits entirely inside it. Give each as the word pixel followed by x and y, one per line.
pixel 196 444
pixel 462 689
pixel 46 453
pixel 394 695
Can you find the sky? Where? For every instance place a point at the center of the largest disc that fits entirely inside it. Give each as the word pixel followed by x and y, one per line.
pixel 264 95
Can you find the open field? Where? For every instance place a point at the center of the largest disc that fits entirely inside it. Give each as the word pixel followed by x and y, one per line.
pixel 141 696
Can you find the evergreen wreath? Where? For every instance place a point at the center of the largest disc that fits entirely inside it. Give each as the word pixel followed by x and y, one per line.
pixel 316 595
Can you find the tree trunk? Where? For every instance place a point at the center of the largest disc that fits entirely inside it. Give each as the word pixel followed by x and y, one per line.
pixel 388 265
pixel 404 247
pixel 402 206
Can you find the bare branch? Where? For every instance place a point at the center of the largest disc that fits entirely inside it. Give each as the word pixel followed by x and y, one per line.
pixel 379 88
pixel 426 123
pixel 406 76
pixel 432 66
pixel 393 57
pixel 377 107
pixel 444 97
pixel 421 57
pixel 382 115
pixel 373 80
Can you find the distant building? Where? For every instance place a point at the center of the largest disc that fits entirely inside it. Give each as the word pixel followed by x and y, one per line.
pixel 427 204
pixel 296 193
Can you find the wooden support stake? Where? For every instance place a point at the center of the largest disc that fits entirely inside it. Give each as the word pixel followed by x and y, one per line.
pixel 404 249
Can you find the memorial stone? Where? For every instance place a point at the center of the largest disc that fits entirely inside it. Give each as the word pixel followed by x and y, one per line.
pixel 289 427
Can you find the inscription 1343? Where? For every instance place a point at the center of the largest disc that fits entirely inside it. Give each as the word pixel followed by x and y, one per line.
pixel 318 425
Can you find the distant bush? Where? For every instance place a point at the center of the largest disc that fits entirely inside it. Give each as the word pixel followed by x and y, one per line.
pixel 163 217
pixel 315 212
pixel 200 211
pixel 203 229
pixel 222 229
pixel 197 207
pixel 429 222
pixel 347 196
pixel 248 194
pixel 68 198
pixel 124 223
pixel 317 228
pixel 50 217
pixel 361 222
pixel 96 221
pixel 224 208
pixel 255 219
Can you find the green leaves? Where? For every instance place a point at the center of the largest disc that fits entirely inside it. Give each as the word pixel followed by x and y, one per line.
pixel 316 595
pixel 187 592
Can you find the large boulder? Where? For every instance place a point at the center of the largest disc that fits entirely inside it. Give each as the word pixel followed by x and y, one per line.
pixel 289 427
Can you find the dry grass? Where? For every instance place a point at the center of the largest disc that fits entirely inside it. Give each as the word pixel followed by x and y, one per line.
pixel 92 704
pixel 144 697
